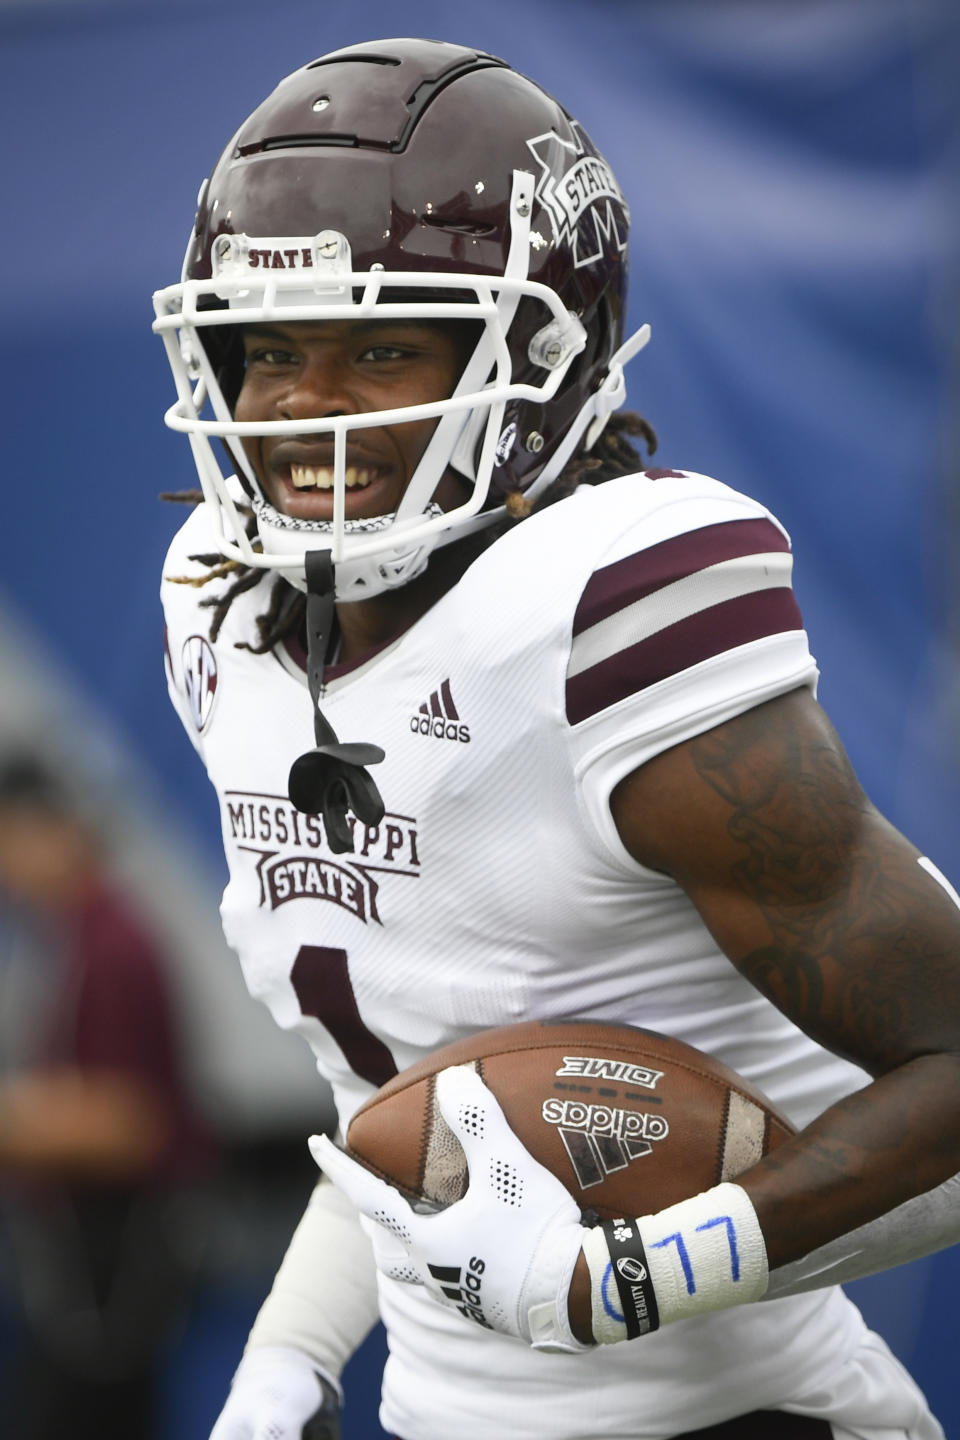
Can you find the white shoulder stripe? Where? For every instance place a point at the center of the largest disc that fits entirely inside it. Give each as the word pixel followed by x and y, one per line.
pixel 726 580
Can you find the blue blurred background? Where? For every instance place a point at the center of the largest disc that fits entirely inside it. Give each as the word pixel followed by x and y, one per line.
pixel 793 174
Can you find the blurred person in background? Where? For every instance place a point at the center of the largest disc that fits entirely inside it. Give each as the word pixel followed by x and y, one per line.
pixel 99 1142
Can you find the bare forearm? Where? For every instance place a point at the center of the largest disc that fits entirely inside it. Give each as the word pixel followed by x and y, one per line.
pixel 867 1154
pixel 851 1166
pixel 920 1227
pixel 835 917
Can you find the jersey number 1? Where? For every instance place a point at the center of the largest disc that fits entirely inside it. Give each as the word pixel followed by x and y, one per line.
pixel 321 982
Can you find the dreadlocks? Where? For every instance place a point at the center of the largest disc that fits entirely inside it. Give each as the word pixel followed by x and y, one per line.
pixel 612 455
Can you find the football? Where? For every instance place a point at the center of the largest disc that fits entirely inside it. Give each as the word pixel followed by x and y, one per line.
pixel 629 1120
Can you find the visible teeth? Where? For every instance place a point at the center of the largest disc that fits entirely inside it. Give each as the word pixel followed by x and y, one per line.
pixel 310 477
pixel 320 477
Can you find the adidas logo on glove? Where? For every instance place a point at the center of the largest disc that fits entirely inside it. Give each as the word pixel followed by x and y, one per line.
pixel 463 1290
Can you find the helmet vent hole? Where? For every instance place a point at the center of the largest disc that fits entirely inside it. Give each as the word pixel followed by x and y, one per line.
pixel 458 227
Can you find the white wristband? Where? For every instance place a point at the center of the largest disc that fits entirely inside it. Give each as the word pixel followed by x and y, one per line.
pixel 706 1253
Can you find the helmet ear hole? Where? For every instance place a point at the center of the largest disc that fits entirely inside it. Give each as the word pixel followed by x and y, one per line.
pixel 532 431
pixel 601 343
pixel 605 332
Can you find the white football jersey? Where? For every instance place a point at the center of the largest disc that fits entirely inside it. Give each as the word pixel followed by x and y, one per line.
pixel 594 635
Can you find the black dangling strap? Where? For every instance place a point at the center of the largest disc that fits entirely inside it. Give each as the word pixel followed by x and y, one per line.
pixel 331 780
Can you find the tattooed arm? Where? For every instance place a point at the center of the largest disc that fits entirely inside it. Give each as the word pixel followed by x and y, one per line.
pixel 823 906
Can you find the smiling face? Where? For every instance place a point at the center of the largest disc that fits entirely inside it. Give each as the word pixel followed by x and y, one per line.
pixel 305 370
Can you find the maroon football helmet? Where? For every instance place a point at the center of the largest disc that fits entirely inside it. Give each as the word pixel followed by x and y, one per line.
pixel 407 178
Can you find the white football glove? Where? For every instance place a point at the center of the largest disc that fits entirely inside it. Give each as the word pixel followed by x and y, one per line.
pixel 504 1254
pixel 277 1394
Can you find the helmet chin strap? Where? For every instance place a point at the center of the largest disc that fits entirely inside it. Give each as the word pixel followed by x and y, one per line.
pixel 331 779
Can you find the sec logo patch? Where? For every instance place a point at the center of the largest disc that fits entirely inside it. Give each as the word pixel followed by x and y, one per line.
pixel 199 666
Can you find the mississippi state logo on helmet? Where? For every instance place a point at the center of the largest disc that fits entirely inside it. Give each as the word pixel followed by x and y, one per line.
pixel 438 181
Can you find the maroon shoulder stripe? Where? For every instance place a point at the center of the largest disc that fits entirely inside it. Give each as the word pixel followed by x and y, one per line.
pixel 697 637
pixel 615 586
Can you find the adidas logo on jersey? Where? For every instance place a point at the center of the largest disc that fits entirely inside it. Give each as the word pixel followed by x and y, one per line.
pixel 463 1289
pixel 600 1139
pixel 439 717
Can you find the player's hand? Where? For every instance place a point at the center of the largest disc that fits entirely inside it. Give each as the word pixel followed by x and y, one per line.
pixel 277 1394
pixel 504 1254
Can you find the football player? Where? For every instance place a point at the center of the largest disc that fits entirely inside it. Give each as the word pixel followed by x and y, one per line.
pixel 505 725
